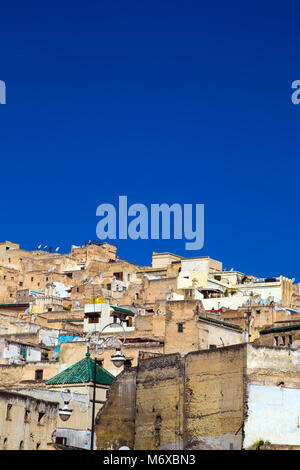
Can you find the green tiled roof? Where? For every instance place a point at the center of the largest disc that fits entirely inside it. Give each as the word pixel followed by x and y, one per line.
pixel 84 370
pixel 220 322
pixel 122 310
pixel 279 328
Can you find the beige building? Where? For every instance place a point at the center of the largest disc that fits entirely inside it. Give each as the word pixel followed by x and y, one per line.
pixel 26 423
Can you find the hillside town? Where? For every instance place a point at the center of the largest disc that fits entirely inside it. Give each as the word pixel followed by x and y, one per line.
pixel 99 353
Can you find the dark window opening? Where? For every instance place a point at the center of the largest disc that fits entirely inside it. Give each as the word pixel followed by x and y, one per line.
pixel 93 318
pixel 8 412
pixel 119 276
pixel 39 374
pixel 61 440
pixel 26 416
pixel 108 286
pixel 180 327
pixel 40 418
pixel 21 446
pixel 275 340
pixel 38 446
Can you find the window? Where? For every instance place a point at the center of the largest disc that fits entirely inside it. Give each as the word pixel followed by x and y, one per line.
pixel 38 445
pixel 127 364
pixel 39 374
pixel 21 284
pixel 93 318
pixel 47 278
pixel 119 276
pixel 4 277
pixel 290 339
pixel 8 412
pixel 275 340
pixel 40 418
pixel 180 327
pixel 26 416
pixel 212 346
pixel 61 440
pixel 136 296
pixel 4 443
pixel 21 446
pixel 282 340
pixel 32 279
pixel 108 286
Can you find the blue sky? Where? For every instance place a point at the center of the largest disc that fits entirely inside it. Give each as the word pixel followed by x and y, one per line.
pixel 162 101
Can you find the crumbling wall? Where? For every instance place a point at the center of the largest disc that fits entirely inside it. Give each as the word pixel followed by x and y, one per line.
pixel 115 422
pixel 214 398
pixel 159 403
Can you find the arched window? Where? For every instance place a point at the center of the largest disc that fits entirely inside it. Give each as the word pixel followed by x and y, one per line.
pixel 21 446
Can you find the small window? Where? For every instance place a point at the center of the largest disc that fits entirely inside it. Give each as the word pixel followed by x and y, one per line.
pixel 180 327
pixel 290 339
pixel 26 416
pixel 282 340
pixel 8 412
pixel 21 446
pixel 212 346
pixel 4 277
pixel 108 286
pixel 40 418
pixel 32 279
pixel 136 296
pixel 21 284
pixel 38 445
pixel 275 340
pixel 47 278
pixel 127 364
pixel 93 318
pixel 39 374
pixel 61 440
pixel 4 443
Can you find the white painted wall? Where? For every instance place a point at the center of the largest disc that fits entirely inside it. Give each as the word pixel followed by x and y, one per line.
pixel 274 415
pixel 105 319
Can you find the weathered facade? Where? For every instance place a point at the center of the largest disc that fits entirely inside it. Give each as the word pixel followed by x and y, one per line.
pixel 212 399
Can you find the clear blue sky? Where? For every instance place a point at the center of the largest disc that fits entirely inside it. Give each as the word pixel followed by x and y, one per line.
pixel 162 101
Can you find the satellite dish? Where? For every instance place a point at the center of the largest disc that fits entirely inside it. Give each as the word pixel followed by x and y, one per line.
pixel 170 287
pixel 124 448
pixel 39 247
pixel 56 249
pixel 294 279
pixel 45 246
pixel 232 269
pixel 77 303
pixel 85 277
